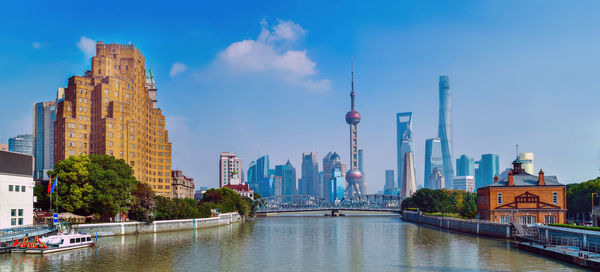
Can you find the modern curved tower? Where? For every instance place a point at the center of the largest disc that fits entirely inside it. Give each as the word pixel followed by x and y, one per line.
pixel 445 130
pixel 353 176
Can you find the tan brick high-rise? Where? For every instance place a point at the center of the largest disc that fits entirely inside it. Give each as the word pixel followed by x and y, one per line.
pixel 112 110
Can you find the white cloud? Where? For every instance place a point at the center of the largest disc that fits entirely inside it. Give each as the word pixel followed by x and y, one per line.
pixel 36 45
pixel 177 68
pixel 87 46
pixel 270 53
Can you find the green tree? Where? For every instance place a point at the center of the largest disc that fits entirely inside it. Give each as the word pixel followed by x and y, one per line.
pixel 144 203
pixel 94 184
pixel 579 197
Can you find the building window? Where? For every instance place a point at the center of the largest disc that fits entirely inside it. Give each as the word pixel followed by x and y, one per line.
pixel 10 188
pixel 527 220
pixel 555 198
pixel 505 219
pixel 16 188
pixel 22 188
pixel 550 219
pixel 499 197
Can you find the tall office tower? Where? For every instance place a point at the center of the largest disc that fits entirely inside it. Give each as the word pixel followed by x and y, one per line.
pixel 287 172
pixel 354 176
pixel 527 163
pixel 44 115
pixel 111 110
pixel 409 185
pixel 465 166
pixel 230 167
pixel 338 183
pixel 21 144
pixel 404 136
pixel 445 130
pixel 330 161
pixel 277 186
pixel 310 174
pixel 436 179
pixel 489 167
pixel 433 159
pixel 262 176
pixel 251 180
pixel 361 168
pixel 389 187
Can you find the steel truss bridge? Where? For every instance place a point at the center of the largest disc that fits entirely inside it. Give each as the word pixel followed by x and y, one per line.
pixel 306 203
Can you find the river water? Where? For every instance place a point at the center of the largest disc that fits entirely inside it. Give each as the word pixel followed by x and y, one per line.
pixel 290 243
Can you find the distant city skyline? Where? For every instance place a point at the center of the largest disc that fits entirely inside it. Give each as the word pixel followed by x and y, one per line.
pixel 506 60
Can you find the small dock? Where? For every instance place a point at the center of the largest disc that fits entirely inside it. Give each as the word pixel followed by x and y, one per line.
pixel 571 254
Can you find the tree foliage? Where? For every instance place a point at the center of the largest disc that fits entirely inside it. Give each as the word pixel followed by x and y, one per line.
pixel 144 203
pixel 443 201
pixel 93 184
pixel 579 197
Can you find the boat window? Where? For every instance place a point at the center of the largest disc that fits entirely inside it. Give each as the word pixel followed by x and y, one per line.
pixel 72 240
pixel 77 240
pixel 89 239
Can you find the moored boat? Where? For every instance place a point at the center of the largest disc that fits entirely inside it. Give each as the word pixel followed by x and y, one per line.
pixel 56 243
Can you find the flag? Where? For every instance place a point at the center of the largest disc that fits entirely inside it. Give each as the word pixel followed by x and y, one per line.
pixel 49 185
pixel 51 189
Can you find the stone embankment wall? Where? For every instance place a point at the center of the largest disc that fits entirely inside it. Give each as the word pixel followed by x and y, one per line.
pixel 125 228
pixel 478 227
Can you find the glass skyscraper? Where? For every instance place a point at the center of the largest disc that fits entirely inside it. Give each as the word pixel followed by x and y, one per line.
pixel 44 115
pixel 309 184
pixel 389 188
pixel 465 166
pixel 287 172
pixel 21 144
pixel 404 135
pixel 263 176
pixel 433 160
pixel 445 130
pixel 489 166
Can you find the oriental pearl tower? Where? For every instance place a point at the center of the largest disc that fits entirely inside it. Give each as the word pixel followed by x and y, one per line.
pixel 353 176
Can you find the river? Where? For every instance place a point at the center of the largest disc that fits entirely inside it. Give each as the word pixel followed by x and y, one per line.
pixel 295 243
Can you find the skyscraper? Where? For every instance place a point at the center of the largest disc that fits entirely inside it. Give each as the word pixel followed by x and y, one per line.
pixel 404 136
pixel 436 179
pixel 310 174
pixel 464 183
pixel 361 168
pixel 110 110
pixel 287 172
pixel 251 177
pixel 433 159
pixel 445 130
pixel 277 186
pixel 21 144
pixel 263 176
pixel 331 161
pixel 465 166
pixel 409 186
pixel 338 183
pixel 489 167
pixel 353 177
pixel 230 167
pixel 389 188
pixel 44 115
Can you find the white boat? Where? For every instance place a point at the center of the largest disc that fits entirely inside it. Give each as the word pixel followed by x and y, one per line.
pixel 62 242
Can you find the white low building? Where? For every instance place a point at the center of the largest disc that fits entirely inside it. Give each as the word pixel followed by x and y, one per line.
pixel 16 189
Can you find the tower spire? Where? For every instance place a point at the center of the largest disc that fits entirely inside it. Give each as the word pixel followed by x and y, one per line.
pixel 352 94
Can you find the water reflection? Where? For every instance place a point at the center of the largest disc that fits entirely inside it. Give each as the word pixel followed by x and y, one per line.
pixel 294 244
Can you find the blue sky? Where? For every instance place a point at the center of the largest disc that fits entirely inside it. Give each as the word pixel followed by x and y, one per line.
pixel 274 77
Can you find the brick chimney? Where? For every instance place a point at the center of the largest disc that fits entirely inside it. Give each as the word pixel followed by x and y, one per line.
pixel 496 178
pixel 511 181
pixel 542 182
